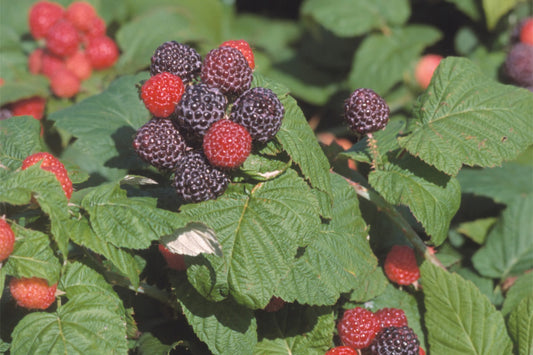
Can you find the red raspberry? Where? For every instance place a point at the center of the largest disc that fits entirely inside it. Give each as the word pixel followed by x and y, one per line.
pixel 400 265
pixel 102 52
pixel 35 61
pixel 62 39
pixel 275 304
pixel 342 350
pixel 42 15
pixel 80 65
pixel 161 93
pixel 174 261
pixel 64 83
pixel 227 144
pixel 52 164
pixel 425 68
pixel 7 240
pixel 421 351
pixel 358 327
pixel 245 49
pixel 226 68
pixel 391 317
pixel 526 33
pixel 51 64
pixel 81 14
pixel 33 293
pixel 98 28
pixel 33 106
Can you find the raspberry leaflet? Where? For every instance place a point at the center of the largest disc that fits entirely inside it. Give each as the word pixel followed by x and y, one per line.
pixel 52 164
pixel 358 327
pixel 7 240
pixel 161 93
pixel 227 144
pixel 400 265
pixel 32 293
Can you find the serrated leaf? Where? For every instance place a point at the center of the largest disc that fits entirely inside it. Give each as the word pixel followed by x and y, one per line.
pixel 295 330
pixel 495 9
pixel 477 230
pixel 32 256
pixel 226 327
pixel 354 17
pixel 104 126
pixel 466 118
pixel 148 344
pixel 19 138
pixel 193 239
pixel 484 284
pixel 520 325
pixel 338 260
pixel 509 247
pixel 260 233
pixel 432 197
pixel 468 7
pixel 84 325
pixel 459 319
pixel 34 85
pixel 132 222
pixel 382 60
pixel 520 290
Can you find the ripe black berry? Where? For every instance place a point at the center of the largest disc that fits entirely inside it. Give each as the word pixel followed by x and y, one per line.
pixel 159 143
pixel 260 112
pixel 178 59
pixel 227 69
pixel 519 64
pixel 395 341
pixel 365 111
pixel 200 106
pixel 196 180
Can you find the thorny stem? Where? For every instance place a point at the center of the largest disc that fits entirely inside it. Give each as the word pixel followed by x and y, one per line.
pixel 398 219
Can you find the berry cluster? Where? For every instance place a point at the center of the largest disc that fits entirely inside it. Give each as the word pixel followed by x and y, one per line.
pixel 205 116
pixel 73 44
pixel 383 332
pixel 519 61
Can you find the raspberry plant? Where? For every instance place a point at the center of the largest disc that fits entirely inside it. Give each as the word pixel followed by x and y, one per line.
pixel 295 226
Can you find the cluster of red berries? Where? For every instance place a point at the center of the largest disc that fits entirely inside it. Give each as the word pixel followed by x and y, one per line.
pixel 519 61
pixel 73 43
pixel 205 115
pixel 384 332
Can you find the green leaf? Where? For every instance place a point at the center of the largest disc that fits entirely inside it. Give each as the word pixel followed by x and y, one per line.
pixel 477 230
pixel 84 325
pixel 32 256
pixel 509 247
pixel 459 318
pixel 20 138
pixel 467 118
pixel 470 8
pixel 503 184
pixel 226 327
pixel 520 290
pixel 295 329
pixel 520 325
pixel 148 344
pixel 34 85
pixel 193 239
pixel 349 18
pixel 495 9
pixel 338 260
pixel 432 197
pixel 104 125
pixel 260 233
pixel 382 60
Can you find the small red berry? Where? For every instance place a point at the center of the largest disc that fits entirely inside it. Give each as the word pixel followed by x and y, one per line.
pixel 526 33
pixel 81 14
pixel 245 49
pixel 32 293
pixel 275 304
pixel 51 64
pixel 425 68
pixel 174 261
pixel 391 317
pixel 400 265
pixel 227 144
pixel 102 52
pixel 161 93
pixel 52 164
pixel 98 28
pixel 62 39
pixel 42 15
pixel 64 83
pixel 358 327
pixel 32 106
pixel 35 61
pixel 80 65
pixel 421 351
pixel 342 350
pixel 7 240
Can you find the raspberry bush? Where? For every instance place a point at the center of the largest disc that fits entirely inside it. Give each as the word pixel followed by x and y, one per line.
pixel 138 244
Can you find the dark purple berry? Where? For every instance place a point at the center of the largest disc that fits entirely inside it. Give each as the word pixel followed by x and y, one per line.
pixel 365 111
pixel 226 68
pixel 395 341
pixel 260 112
pixel 159 143
pixel 196 180
pixel 178 59
pixel 519 64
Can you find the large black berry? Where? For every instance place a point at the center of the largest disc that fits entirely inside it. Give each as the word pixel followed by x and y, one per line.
pixel 196 180
pixel 200 106
pixel 227 69
pixel 365 111
pixel 178 59
pixel 260 112
pixel 159 143
pixel 395 341
pixel 519 64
